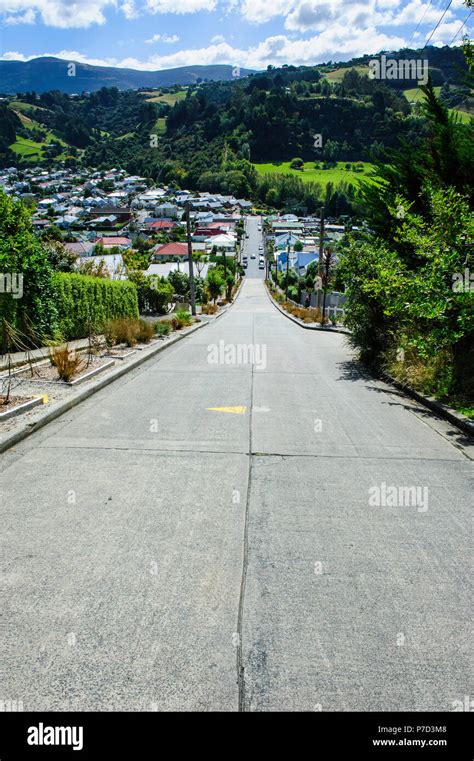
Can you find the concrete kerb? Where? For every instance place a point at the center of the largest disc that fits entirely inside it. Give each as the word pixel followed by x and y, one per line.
pixel 59 408
pixel 447 413
pixel 324 329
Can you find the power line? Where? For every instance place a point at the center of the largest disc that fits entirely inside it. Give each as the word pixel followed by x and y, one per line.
pixel 439 22
pixel 463 24
pixel 420 22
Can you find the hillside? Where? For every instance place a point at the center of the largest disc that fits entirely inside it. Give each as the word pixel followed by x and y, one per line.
pixel 232 136
pixel 43 74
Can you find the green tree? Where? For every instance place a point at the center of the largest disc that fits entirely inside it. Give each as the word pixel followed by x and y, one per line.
pixel 215 284
pixel 23 256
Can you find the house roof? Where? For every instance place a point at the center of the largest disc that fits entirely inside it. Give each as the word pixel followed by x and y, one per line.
pixel 114 241
pixel 171 249
pixel 161 224
pixel 78 248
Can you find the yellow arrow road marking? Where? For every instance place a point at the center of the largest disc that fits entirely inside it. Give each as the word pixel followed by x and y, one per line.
pixel 232 410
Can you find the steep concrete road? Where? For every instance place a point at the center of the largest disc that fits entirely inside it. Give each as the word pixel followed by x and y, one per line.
pixel 157 554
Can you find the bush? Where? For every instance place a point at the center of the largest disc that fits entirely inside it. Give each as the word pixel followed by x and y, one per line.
pixel 66 362
pixel 181 319
pixel 297 163
pixel 82 300
pixel 121 331
pixel 23 255
pixel 163 328
pixel 145 331
pixel 154 292
pixel 209 308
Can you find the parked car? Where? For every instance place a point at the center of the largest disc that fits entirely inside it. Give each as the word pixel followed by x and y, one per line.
pixel 261 264
pixel 253 256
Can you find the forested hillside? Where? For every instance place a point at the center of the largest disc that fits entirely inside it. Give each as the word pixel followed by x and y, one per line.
pixel 210 136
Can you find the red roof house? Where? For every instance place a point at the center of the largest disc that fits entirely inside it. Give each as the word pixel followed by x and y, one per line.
pixel 161 224
pixel 169 251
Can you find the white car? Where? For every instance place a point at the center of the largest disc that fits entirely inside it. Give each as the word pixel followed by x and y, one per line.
pixel 253 256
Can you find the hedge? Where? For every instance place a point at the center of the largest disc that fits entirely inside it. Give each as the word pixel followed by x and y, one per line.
pixel 83 300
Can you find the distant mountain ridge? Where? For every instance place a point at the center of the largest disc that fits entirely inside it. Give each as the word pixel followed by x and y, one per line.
pixel 48 73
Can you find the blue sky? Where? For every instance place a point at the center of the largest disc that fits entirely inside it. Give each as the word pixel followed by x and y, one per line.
pixel 158 34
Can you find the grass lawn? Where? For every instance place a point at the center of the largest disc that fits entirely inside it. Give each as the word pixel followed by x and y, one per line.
pixel 160 126
pixel 167 97
pixel 19 105
pixel 28 149
pixel 310 174
pixel 338 74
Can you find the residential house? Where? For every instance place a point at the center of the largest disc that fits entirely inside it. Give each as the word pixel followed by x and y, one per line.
pixel 173 251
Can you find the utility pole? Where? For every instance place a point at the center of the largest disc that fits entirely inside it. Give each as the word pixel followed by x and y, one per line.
pixel 327 267
pixel 192 292
pixel 321 246
pixel 287 268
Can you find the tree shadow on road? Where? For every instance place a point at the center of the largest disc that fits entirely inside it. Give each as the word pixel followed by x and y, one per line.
pixel 353 371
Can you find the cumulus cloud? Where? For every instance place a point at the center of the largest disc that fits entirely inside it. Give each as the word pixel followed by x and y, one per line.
pixel 260 11
pixel 168 38
pixel 180 6
pixel 68 14
pixel 28 17
pixel 62 14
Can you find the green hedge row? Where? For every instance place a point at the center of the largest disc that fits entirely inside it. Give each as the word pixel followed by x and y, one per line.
pixel 82 300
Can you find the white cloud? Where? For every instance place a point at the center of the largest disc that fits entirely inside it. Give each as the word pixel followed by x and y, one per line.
pixel 218 38
pixel 68 14
pixel 28 17
pixel 180 6
pixel 168 38
pixel 413 12
pixel 63 14
pixel 13 55
pixel 129 9
pixel 446 31
pixel 318 14
pixel 261 11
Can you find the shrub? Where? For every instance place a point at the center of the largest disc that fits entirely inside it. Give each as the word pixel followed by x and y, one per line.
pixel 82 300
pixel 181 319
pixel 215 284
pixel 121 331
pixel 22 253
pixel 154 293
pixel 66 362
pixel 163 328
pixel 297 163
pixel 145 331
pixel 209 308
